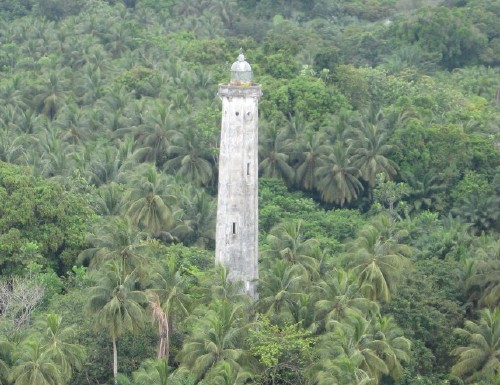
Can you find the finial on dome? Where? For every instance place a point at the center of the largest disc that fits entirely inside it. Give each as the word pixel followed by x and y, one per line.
pixel 241 72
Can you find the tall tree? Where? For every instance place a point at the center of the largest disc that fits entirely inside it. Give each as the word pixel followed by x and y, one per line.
pixel 116 304
pixel 166 300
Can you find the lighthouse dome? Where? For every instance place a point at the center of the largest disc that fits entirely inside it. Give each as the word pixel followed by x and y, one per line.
pixel 241 70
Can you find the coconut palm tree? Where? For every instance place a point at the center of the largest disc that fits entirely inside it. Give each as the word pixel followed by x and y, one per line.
pixel 338 178
pixel 52 94
pixel 218 337
pixel 273 154
pixel 390 344
pixel 166 299
pixel 109 199
pixel 159 127
pixel 340 295
pixel 33 366
pixel 483 274
pixel 59 347
pixel 188 158
pixel 313 152
pixel 378 258
pixel 480 358
pixel 195 219
pixel 154 372
pixel 279 288
pixel 148 206
pixel 116 239
pixel 424 190
pixel 370 150
pixel 115 303
pixel 287 241
pixel 368 349
pixel 11 147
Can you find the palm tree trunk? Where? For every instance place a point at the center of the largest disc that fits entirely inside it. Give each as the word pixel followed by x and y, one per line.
pixel 167 339
pixel 115 360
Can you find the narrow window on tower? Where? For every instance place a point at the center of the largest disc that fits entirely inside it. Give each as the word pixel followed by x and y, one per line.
pixel 234 228
pixel 248 168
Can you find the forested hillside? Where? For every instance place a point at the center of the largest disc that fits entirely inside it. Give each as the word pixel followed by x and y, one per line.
pixel 379 147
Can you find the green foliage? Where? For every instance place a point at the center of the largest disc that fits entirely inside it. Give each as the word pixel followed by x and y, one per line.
pixel 281 350
pixel 479 359
pixel 330 227
pixel 41 221
pixel 447 32
pixel 111 105
pixel 309 95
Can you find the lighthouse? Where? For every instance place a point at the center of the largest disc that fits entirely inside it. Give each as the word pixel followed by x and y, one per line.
pixel 237 227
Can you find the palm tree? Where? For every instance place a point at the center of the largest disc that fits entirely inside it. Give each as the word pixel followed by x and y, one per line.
pixel 480 359
pixel 109 199
pixel 11 147
pixel 111 163
pixel 227 374
pixel 378 258
pixel 273 154
pixel 33 366
pixel 314 151
pixel 218 337
pixel 287 241
pixel 279 288
pixel 166 299
pixel 117 239
pixel 391 345
pixel 220 287
pixel 368 349
pixel 154 372
pixel 424 190
pixel 116 304
pixel 148 207
pixel 340 295
pixel 55 153
pixel 369 149
pixel 226 11
pixel 27 121
pixel 188 158
pixel 336 366
pixel 195 219
pixel 159 127
pixel 338 178
pixel 58 345
pixel 51 95
pixel 483 278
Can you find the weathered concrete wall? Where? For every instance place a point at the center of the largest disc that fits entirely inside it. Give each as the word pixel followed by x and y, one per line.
pixel 237 208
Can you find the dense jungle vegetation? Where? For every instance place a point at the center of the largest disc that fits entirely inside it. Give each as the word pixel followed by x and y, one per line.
pixel 379 193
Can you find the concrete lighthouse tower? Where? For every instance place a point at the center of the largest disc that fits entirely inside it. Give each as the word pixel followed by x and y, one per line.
pixel 237 207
